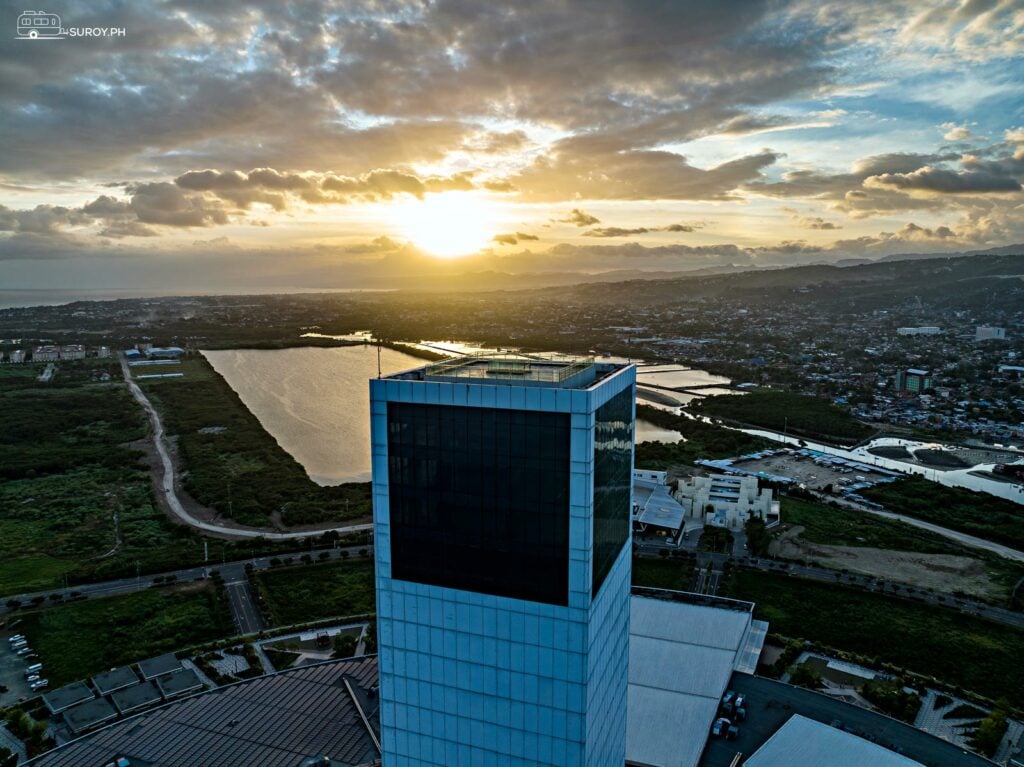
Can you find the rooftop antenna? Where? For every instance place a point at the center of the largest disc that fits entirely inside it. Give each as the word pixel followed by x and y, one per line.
pixel 378 358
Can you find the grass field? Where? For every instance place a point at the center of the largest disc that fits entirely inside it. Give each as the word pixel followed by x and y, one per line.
pixel 959 649
pixel 67 469
pixel 674 574
pixel 979 514
pixel 79 639
pixel 837 526
pixel 233 465
pixel 311 592
pixel 799 414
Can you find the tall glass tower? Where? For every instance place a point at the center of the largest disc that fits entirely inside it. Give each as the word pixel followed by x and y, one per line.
pixel 502 496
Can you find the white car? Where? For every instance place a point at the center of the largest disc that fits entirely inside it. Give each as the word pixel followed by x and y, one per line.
pixel 40 684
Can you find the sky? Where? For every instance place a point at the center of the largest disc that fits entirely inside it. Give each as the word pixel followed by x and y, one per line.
pixel 309 144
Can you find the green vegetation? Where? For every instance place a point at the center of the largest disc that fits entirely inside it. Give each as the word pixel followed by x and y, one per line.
pixel 797 414
pixel 674 574
pixel 233 465
pixel 344 646
pixel 838 526
pixel 830 525
pixel 979 514
pixel 758 537
pixel 716 539
pixel 991 730
pixel 806 676
pixel 79 639
pixel 69 468
pixel 700 440
pixel 310 592
pixel 891 698
pixel 280 659
pixel 958 649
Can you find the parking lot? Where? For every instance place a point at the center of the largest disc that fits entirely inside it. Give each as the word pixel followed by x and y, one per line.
pixel 807 472
pixel 12 672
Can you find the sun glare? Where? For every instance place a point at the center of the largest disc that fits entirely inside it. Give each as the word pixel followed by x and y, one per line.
pixel 447 225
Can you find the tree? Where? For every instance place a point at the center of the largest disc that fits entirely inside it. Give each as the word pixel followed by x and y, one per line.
pixel 758 538
pixel 344 646
pixel 803 676
pixel 991 730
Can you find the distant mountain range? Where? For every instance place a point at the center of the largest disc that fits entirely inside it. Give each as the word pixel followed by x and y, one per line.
pixel 495 280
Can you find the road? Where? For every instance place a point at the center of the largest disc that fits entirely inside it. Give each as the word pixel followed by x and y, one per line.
pixel 168 482
pixel 231 572
pixel 247 616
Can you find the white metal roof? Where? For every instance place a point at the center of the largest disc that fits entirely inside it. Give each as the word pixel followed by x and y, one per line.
pixel 681 657
pixel 803 742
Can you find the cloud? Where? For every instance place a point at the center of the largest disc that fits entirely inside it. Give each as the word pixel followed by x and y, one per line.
pixel 514 239
pixel 269 185
pixel 615 231
pixel 578 217
pixel 932 179
pixel 954 132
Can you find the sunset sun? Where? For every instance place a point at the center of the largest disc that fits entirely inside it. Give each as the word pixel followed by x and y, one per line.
pixel 446 225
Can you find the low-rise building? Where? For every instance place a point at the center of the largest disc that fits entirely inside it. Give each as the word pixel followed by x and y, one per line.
pixel 46 354
pixel 16 356
pixel 72 352
pixel 923 330
pixel 724 501
pixel 989 333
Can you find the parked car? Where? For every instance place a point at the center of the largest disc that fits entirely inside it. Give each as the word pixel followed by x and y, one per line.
pixel 41 684
pixel 719 728
pixel 732 733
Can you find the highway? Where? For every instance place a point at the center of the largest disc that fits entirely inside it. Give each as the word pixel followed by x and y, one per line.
pixel 168 482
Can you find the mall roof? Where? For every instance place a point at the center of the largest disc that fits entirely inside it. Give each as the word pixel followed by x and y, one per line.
pixel 803 742
pixel 280 719
pixel 66 697
pixel 682 652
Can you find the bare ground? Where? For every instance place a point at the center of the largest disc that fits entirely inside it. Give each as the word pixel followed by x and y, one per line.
pixel 945 573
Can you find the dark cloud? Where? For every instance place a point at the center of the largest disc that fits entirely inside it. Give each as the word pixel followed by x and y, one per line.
pixel 931 179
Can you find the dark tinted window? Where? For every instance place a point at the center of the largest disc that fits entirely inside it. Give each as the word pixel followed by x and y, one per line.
pixel 480 499
pixel 613 476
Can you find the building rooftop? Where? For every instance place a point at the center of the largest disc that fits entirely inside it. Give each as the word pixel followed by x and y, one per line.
pixel 66 697
pixel 280 719
pixel 163 664
pixel 683 649
pixel 115 679
pixel 179 683
pixel 803 742
pixel 515 369
pixel 135 697
pixel 87 715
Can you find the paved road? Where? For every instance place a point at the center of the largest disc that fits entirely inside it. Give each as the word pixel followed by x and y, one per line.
pixel 247 616
pixel 168 482
pixel 963 538
pixel 231 572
